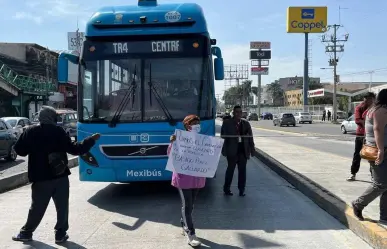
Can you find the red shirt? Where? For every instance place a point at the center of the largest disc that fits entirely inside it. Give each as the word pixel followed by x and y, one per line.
pixel 360 115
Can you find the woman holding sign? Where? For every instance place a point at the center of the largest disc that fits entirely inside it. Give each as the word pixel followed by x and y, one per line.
pixel 188 186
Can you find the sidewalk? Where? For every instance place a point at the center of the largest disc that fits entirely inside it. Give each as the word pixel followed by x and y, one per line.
pixel 326 171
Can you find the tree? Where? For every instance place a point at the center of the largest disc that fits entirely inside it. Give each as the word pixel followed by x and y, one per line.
pixel 238 95
pixel 276 92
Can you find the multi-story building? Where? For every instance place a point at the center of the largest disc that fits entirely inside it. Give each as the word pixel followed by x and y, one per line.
pixel 28 75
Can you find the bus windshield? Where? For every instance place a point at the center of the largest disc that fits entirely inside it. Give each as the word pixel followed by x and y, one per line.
pixel 153 74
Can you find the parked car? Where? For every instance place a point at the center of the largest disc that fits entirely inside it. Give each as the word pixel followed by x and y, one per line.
pixel 67 119
pixel 284 119
pixel 267 116
pixel 252 116
pixel 7 141
pixel 303 117
pixel 18 124
pixel 349 125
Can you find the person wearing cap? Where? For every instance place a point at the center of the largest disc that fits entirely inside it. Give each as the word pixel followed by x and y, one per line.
pixel 46 146
pixel 188 187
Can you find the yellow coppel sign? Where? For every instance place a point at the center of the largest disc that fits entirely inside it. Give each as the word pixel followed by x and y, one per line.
pixel 307 19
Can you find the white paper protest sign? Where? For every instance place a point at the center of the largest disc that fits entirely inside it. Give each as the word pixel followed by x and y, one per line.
pixel 194 154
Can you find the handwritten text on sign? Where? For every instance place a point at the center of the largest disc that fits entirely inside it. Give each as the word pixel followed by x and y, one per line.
pixel 194 154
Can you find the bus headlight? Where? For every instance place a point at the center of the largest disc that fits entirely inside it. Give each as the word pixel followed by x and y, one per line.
pixel 89 159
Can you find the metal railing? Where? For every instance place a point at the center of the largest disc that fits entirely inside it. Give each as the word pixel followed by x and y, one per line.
pixel 24 83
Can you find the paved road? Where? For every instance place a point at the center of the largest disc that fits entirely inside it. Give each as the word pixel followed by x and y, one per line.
pixel 343 147
pixel 340 148
pixel 103 215
pixel 316 129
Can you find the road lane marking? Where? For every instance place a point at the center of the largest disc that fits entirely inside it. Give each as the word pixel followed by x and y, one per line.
pixel 300 146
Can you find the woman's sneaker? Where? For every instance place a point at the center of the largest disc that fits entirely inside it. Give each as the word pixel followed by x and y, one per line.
pixel 193 240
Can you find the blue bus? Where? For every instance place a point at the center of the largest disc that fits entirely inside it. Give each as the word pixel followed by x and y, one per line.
pixel 142 69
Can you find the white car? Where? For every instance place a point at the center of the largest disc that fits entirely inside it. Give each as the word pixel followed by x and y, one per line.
pixel 18 124
pixel 303 117
pixel 349 125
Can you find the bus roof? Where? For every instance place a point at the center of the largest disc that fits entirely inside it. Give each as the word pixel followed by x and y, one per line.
pixel 186 18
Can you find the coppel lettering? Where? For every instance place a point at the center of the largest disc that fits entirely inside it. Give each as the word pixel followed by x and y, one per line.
pixel 143 173
pixel 308 26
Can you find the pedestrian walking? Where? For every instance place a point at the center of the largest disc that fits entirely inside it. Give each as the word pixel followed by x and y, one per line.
pixel 188 187
pixel 360 116
pixel 47 146
pixel 376 147
pixel 329 115
pixel 324 115
pixel 238 147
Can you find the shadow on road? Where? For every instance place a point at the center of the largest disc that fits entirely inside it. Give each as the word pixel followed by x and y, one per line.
pixel 40 245
pixel 270 205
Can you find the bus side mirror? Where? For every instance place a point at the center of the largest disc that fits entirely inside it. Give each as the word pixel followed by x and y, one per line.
pixel 63 66
pixel 219 69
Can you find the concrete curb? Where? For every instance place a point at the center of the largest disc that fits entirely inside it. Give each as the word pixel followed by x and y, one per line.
pixel 21 179
pixel 368 230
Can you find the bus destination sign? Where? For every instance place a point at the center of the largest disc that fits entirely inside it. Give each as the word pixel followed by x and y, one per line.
pixel 147 47
pixel 99 50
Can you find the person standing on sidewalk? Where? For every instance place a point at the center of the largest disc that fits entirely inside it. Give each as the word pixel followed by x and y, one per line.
pixel 188 187
pixel 237 148
pixel 376 136
pixel 47 146
pixel 360 115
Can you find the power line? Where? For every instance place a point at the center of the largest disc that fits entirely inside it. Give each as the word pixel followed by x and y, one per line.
pixel 383 69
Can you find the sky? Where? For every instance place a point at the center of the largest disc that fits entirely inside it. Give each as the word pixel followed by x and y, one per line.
pixel 234 24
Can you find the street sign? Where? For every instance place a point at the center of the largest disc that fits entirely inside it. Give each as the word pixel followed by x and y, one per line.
pixel 316 93
pixel 259 71
pixel 260 45
pixel 73 42
pixel 307 19
pixel 255 63
pixel 260 55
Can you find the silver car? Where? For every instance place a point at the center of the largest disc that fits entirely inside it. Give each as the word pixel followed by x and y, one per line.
pixel 18 124
pixel 284 119
pixel 349 125
pixel 303 117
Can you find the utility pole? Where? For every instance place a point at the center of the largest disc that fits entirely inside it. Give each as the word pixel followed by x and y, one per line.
pixel 259 88
pixel 334 48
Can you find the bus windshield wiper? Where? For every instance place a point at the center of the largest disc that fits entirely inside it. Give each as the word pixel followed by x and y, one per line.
pixel 152 88
pixel 131 91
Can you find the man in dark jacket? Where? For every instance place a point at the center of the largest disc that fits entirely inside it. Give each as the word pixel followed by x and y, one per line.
pixel 38 142
pixel 238 147
pixel 360 115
